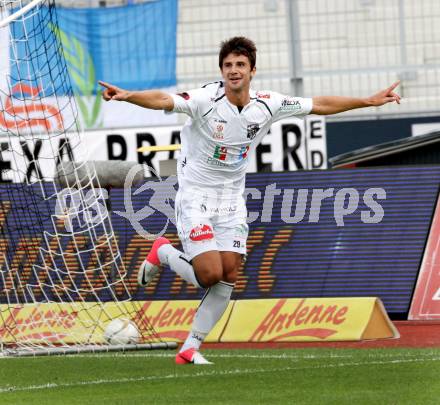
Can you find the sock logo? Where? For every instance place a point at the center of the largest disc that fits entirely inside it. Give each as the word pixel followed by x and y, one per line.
pixel 201 233
pixel 197 337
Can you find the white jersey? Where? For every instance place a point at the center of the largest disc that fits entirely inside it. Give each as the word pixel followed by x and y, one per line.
pixel 217 139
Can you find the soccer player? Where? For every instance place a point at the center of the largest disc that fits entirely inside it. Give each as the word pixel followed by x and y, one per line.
pixel 227 120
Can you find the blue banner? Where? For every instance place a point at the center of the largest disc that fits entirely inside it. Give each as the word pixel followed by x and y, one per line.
pixel 334 249
pixel 133 47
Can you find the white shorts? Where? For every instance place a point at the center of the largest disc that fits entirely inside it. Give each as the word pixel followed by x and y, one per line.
pixel 205 224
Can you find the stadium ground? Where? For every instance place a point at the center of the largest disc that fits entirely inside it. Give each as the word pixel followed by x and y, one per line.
pixel 421 334
pixel 316 375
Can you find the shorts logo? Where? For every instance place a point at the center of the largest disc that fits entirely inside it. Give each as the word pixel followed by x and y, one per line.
pixel 201 233
pixel 220 152
pixel 240 232
pixel 252 130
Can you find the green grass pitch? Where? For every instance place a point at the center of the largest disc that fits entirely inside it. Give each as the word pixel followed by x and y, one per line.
pixel 277 376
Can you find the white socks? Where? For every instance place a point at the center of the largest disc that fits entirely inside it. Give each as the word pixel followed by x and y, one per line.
pixel 211 309
pixel 177 262
pixel 194 340
pixel 213 304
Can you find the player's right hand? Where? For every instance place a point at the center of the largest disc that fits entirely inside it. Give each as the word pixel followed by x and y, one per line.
pixel 112 92
pixel 385 96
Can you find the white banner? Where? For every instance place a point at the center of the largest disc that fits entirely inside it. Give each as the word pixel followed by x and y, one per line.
pixel 424 129
pixel 58 114
pixel 292 144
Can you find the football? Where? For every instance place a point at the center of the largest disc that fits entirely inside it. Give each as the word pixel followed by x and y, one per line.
pixel 121 332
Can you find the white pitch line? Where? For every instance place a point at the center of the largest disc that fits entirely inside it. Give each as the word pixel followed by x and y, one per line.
pixel 226 356
pixel 172 355
pixel 212 373
pixel 258 356
pixel 223 355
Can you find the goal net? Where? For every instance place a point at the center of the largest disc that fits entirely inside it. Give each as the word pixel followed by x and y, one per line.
pixel 62 279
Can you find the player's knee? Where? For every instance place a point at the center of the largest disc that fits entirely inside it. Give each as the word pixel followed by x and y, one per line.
pixel 210 278
pixel 209 275
pixel 230 268
pixel 230 275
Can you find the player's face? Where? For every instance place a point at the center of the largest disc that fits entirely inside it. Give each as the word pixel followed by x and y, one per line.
pixel 237 72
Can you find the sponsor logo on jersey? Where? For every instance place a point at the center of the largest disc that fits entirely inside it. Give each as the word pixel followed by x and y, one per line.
pixel 220 152
pixel 288 104
pixel 215 162
pixel 263 95
pixel 220 121
pixel 252 130
pixel 184 95
pixel 243 153
pixel 201 233
pixel 218 134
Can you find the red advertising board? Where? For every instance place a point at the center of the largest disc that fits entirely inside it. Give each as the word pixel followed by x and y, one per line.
pixel 426 301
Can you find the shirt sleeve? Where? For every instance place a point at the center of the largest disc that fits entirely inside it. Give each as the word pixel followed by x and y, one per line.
pixel 287 106
pixel 190 102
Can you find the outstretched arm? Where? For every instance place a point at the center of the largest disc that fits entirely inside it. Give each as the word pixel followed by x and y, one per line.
pixel 153 99
pixel 325 105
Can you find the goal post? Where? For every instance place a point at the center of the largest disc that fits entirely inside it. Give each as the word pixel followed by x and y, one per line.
pixel 17 14
pixel 62 277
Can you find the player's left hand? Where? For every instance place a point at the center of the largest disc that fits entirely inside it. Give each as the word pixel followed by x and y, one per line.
pixel 385 96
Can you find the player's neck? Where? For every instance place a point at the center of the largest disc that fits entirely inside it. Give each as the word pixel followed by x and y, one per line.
pixel 238 98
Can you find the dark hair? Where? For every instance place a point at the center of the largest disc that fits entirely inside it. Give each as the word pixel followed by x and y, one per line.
pixel 238 46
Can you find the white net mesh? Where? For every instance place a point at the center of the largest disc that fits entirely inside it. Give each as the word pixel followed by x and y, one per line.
pixel 62 278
